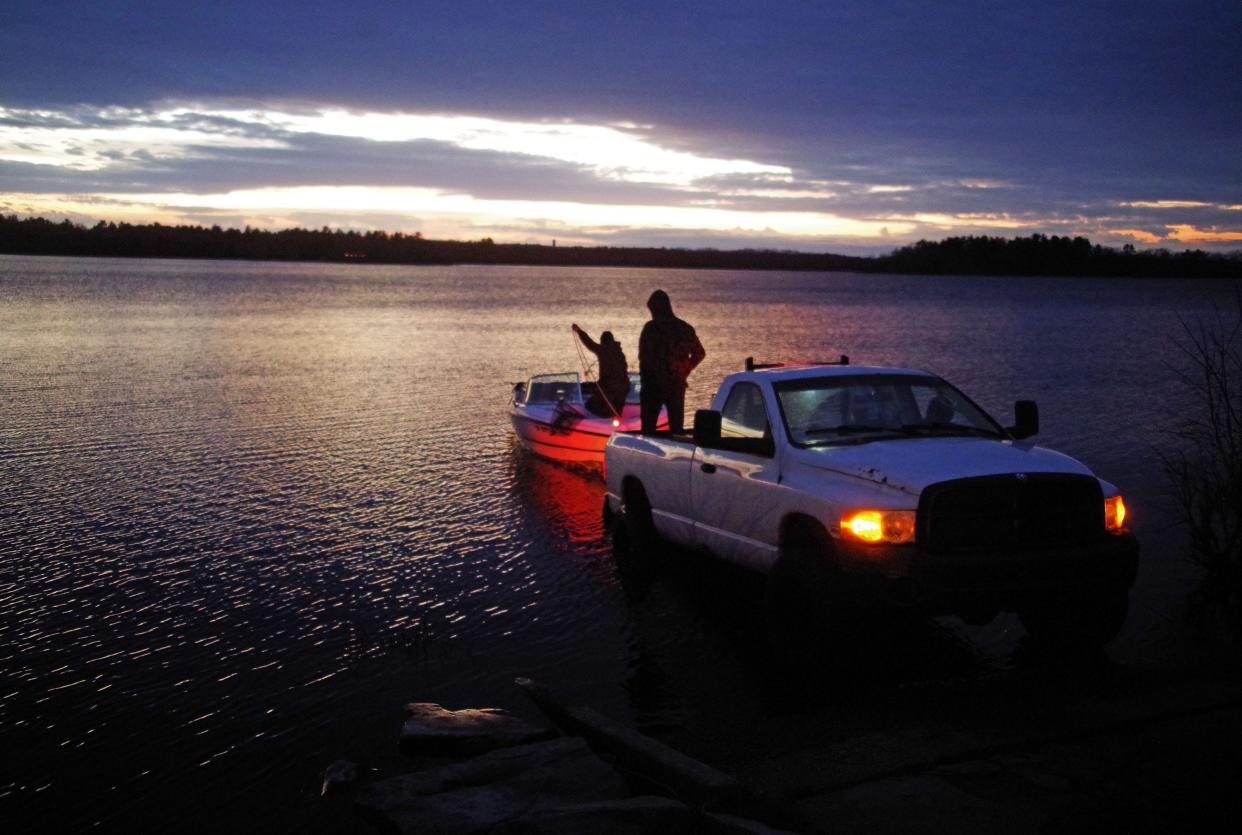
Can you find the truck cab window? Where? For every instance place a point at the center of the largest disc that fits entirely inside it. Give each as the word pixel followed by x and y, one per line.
pixel 744 415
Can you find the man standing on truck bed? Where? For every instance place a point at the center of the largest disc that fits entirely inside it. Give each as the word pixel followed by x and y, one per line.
pixel 668 350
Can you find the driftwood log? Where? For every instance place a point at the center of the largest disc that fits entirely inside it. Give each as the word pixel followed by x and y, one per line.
pixel 693 782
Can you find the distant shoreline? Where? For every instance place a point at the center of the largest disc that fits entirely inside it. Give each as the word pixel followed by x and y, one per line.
pixel 1037 255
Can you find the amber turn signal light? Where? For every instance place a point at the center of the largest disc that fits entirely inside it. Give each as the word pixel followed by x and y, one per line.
pixel 1114 514
pixel 873 526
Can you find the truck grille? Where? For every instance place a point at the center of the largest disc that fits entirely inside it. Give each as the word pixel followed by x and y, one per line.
pixel 1011 513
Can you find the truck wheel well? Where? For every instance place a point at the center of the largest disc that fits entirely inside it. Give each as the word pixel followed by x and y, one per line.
pixel 634 496
pixel 801 531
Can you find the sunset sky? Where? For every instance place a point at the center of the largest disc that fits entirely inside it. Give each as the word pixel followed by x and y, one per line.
pixel 841 126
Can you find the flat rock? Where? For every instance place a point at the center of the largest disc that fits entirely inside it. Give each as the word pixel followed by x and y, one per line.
pixel 431 729
pixel 722 824
pixel 498 787
pixel 916 804
pixel 633 816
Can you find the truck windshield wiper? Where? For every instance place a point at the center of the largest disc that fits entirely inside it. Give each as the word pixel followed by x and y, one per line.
pixel 916 430
pixel 947 429
pixel 856 428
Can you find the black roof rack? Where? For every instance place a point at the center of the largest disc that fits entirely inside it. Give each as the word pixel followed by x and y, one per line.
pixel 751 365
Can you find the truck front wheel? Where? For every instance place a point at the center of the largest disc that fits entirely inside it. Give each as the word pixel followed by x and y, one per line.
pixel 808 602
pixel 632 544
pixel 632 528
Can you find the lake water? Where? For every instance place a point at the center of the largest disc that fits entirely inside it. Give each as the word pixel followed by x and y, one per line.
pixel 248 511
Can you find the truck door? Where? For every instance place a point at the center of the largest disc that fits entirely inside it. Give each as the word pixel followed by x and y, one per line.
pixel 733 487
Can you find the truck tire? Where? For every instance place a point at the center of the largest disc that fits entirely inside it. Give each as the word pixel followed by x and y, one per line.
pixel 633 531
pixel 633 549
pixel 808 606
pixel 625 539
pixel 1081 623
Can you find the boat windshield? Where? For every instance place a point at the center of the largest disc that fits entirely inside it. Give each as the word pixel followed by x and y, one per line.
pixel 823 411
pixel 567 387
pixel 634 397
pixel 554 388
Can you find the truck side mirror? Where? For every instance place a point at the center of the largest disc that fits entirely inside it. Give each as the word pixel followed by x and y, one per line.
pixel 1026 419
pixel 706 428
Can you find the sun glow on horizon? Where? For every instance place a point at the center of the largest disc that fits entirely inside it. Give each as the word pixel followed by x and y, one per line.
pixel 473 211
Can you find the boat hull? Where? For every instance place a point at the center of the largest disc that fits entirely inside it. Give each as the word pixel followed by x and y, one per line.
pixel 569 436
pixel 559 444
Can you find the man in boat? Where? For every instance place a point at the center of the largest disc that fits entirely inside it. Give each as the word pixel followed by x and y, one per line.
pixel 613 386
pixel 668 350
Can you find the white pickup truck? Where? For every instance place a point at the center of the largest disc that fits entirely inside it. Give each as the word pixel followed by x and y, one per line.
pixel 855 486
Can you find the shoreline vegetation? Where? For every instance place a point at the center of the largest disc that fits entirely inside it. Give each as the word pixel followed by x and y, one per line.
pixel 1037 255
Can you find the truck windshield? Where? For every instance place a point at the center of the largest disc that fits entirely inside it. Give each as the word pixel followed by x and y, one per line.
pixel 819 411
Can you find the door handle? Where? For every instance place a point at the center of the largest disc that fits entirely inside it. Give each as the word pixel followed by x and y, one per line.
pixel 708 468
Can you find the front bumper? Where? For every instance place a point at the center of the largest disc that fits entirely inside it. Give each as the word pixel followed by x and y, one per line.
pixel 948 583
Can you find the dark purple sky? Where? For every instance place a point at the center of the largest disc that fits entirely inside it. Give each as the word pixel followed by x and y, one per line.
pixel 844 126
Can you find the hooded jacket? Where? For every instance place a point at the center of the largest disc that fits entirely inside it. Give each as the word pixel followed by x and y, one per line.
pixel 668 348
pixel 614 380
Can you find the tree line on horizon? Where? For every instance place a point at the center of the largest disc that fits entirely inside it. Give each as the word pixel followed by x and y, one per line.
pixel 970 255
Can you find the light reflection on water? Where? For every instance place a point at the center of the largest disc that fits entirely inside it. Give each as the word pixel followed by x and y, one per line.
pixel 248 510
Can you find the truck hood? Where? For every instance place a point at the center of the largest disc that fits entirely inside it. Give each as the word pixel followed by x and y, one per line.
pixel 911 464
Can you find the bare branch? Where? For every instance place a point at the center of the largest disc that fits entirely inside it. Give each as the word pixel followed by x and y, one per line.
pixel 1205 467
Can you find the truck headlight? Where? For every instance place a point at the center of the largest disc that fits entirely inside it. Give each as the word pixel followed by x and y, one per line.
pixel 892 526
pixel 1114 514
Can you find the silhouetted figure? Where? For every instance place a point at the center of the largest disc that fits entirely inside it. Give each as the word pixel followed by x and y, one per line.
pixel 613 386
pixel 668 350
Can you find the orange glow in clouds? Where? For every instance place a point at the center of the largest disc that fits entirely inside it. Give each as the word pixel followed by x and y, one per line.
pixel 1193 235
pixel 1183 233
pixel 1140 235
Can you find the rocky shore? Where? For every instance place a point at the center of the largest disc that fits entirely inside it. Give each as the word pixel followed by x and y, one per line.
pixel 489 771
pixel 1145 754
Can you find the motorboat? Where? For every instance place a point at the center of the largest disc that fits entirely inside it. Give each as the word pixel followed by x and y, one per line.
pixel 550 417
